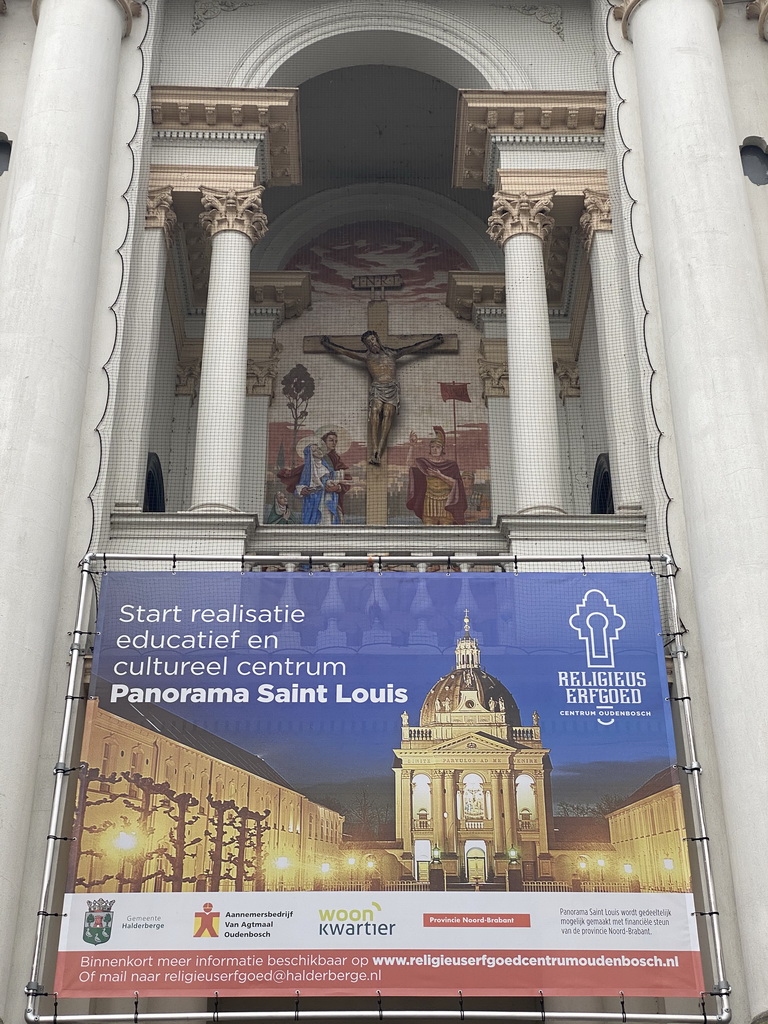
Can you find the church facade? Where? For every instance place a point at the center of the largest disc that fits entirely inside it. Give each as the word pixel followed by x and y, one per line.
pixel 451 281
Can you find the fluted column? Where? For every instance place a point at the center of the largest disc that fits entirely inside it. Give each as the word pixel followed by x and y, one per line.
pixel 234 221
pixel 618 370
pixel 138 359
pixel 50 253
pixel 496 808
pixel 521 223
pixel 713 316
pixel 450 806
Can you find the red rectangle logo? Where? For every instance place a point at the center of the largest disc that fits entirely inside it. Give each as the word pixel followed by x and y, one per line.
pixel 477 920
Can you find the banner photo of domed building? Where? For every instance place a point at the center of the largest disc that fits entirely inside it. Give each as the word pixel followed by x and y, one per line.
pixel 355 780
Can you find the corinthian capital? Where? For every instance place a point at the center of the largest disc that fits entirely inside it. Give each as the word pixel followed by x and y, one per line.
pixel 596 216
pixel 521 214
pixel 228 210
pixel 160 213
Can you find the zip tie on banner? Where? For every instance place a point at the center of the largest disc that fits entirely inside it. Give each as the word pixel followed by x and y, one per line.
pixel 461 1005
pixel 104 561
pixel 448 569
pixel 56 1007
pixel 215 1008
pixel 650 565
pixel 541 1007
pixel 516 570
pixel 296 1008
pixel 242 564
pixel 583 566
pixel 310 565
pixel 623 1009
pixel 381 568
pixel 378 1000
pixel 45 913
pixel 75 696
pixel 135 1008
pixel 173 565
pixel 703 1006
pixel 689 768
pixel 59 839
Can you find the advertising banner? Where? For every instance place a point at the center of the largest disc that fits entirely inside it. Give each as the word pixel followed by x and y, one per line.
pixel 343 783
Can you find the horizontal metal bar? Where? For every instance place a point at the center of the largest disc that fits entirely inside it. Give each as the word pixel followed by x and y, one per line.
pixel 474 1015
pixel 373 559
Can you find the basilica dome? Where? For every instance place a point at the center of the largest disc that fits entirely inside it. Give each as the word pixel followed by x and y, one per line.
pixel 469 690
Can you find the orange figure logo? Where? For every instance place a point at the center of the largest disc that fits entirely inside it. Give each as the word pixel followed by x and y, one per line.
pixel 206 922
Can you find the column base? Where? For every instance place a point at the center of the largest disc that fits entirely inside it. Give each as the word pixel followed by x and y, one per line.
pixel 213 507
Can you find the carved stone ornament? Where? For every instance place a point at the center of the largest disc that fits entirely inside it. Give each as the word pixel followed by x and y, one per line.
pixel 547 14
pixel 757 10
pixel 188 379
pixel 260 379
pixel 131 9
pixel 495 378
pixel 623 12
pixel 160 212
pixel 228 210
pixel 207 9
pixel 568 375
pixel 521 214
pixel 596 216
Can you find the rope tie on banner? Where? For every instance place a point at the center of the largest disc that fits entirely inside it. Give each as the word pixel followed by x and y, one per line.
pixel 173 565
pixel 650 565
pixel 45 913
pixel 381 567
pixel 75 696
pixel 703 1006
pixel 689 768
pixel 242 564
pixel 448 569
pixel 60 769
pixel 583 566
pixel 56 1007
pixel 135 1008
pixel 215 1008
pixel 58 839
pixel 461 1005
pixel 378 1001
pixel 311 570
pixel 296 1008
pixel 623 1009
pixel 104 561
pixel 541 1007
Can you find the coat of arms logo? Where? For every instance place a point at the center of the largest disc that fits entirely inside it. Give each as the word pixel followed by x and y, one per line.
pixel 97 926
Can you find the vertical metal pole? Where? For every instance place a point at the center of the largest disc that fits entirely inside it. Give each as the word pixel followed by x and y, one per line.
pixel 60 773
pixel 693 769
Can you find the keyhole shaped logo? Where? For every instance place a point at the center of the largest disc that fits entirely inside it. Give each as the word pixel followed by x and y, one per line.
pixel 598 624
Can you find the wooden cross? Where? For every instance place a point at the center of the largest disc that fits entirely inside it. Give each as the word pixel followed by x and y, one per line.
pixel 378 320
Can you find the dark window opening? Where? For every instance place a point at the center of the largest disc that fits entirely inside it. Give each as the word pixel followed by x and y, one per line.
pixel 5 153
pixel 154 488
pixel 754 161
pixel 602 489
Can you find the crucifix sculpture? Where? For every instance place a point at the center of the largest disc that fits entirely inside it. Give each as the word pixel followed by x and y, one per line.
pixel 380 351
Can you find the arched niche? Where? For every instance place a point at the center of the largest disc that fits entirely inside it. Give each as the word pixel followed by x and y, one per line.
pixel 401 34
pixel 350 205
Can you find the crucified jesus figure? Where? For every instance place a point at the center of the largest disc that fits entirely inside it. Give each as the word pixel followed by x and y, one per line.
pixel 384 390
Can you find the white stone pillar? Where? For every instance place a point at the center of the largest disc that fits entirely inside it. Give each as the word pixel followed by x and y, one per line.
pixel 138 360
pixel 713 315
pixel 234 220
pixel 50 250
pixel 521 223
pixel 618 367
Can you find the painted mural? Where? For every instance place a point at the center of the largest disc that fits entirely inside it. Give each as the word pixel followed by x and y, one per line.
pixel 362 400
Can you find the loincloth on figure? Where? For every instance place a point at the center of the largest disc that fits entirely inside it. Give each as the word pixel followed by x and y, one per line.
pixel 387 392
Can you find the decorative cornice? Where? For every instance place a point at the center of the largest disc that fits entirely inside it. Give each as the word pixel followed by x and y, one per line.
pixel 160 213
pixel 623 12
pixel 234 211
pixel 757 10
pixel 222 115
pixel 521 214
pixel 484 115
pixel 131 9
pixel 567 373
pixel 596 216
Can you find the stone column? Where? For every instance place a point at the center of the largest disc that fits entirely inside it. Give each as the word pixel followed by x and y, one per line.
pixel 450 806
pixel 406 808
pixel 234 221
pixel 520 223
pixel 510 811
pixel 496 810
pixel 138 360
pixel 713 315
pixel 438 807
pixel 50 253
pixel 618 369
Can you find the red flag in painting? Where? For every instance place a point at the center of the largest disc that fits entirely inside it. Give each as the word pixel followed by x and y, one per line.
pixel 454 392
